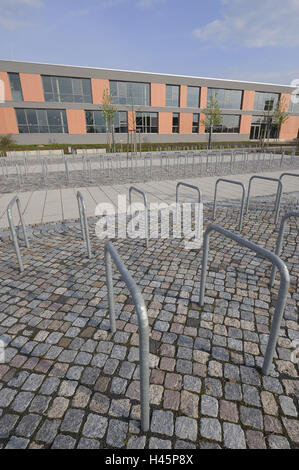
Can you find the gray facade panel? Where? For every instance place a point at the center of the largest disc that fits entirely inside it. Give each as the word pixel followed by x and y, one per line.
pixel 110 74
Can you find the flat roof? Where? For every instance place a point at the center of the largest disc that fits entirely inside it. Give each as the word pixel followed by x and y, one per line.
pixel 156 74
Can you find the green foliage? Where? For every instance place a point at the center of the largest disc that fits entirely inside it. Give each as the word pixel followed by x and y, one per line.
pixel 6 141
pixel 212 113
pixel 280 116
pixel 108 109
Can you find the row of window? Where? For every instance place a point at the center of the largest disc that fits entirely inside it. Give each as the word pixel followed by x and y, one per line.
pixel 49 121
pixel 78 90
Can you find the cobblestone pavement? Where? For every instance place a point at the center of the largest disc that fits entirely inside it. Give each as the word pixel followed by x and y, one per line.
pixel 68 382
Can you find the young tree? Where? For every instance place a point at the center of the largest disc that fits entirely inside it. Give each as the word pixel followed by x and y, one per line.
pixel 6 141
pixel 109 110
pixel 213 116
pixel 280 115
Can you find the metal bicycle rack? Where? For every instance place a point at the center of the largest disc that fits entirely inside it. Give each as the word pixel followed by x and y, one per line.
pixel 110 252
pixel 45 170
pixel 67 173
pixel 278 193
pixel 296 175
pixel 242 201
pixel 164 157
pixel 4 166
pixel 283 288
pixel 84 223
pixel 191 186
pixel 148 158
pixel 16 201
pixel 278 247
pixel 87 167
pixel 20 174
pixel 142 193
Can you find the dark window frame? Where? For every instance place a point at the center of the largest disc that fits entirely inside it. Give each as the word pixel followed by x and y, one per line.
pixel 32 121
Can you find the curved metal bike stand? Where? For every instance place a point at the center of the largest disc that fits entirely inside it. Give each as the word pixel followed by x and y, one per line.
pixel 133 188
pixel 280 240
pixel 187 185
pixel 67 173
pixel 296 175
pixel 147 158
pixel 16 201
pixel 242 201
pixel 45 171
pixel 278 193
pixel 84 223
pixel 110 252
pixel 283 288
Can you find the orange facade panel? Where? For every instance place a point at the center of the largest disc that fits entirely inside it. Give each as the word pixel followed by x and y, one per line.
pixel 98 86
pixel 5 87
pixel 158 94
pixel 248 100
pixel 203 97
pixel 165 123
pixel 131 120
pixel 8 121
pixel 76 121
pixel 285 101
pixel 202 127
pixel 186 123
pixel 32 87
pixel 289 130
pixel 245 123
pixel 183 96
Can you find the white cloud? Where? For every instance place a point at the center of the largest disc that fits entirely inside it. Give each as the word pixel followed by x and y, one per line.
pixel 14 13
pixel 253 24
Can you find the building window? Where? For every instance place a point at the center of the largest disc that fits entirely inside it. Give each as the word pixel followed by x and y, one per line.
pixel 15 86
pixel 147 123
pixel 39 121
pixel 95 122
pixel 294 107
pixel 195 123
pixel 265 101
pixel 172 95
pixel 67 90
pixel 193 96
pixel 130 93
pixel 227 99
pixel 175 123
pixel 230 125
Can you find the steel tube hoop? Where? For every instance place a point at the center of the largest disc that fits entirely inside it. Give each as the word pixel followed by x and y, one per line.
pixel 242 202
pixel 16 201
pixel 142 193
pixel 141 310
pixel 296 175
pixel 67 170
pixel 45 170
pixel 278 193
pixel 147 157
pixel 83 222
pixel 187 185
pixel 283 288
pixel 278 247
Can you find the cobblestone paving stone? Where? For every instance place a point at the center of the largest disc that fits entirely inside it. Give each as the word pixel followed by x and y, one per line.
pixel 68 382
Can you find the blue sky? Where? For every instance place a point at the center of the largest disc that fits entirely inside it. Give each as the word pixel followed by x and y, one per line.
pixel 237 39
